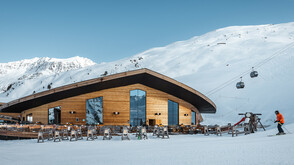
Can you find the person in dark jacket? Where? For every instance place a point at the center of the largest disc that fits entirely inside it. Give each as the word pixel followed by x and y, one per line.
pixel 280 120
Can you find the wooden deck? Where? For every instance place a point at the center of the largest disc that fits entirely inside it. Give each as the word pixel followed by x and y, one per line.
pixel 15 131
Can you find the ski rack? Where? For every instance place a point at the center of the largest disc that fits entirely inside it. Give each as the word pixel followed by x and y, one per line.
pixel 251 120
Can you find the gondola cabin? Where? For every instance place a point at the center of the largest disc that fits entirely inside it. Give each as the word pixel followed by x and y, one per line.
pixel 253 74
pixel 240 85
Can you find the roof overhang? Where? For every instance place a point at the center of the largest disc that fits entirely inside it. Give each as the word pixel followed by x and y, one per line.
pixel 142 76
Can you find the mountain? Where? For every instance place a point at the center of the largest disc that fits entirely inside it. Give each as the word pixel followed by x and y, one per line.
pixel 16 77
pixel 212 64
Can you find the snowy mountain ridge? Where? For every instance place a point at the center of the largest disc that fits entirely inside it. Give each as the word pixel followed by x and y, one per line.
pixel 14 74
pixel 203 62
pixel 45 64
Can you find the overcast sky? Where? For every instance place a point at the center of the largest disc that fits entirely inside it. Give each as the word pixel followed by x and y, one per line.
pixel 108 30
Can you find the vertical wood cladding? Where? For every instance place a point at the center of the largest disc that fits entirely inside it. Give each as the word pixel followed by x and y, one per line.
pixel 114 100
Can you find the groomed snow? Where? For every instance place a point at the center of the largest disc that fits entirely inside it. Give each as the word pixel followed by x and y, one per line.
pixel 254 149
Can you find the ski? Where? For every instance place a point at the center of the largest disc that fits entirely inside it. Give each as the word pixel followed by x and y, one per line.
pixel 275 135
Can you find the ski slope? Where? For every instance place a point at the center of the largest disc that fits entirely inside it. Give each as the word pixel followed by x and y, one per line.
pixel 211 63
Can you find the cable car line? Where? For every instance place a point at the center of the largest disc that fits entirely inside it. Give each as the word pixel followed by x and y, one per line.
pixel 258 65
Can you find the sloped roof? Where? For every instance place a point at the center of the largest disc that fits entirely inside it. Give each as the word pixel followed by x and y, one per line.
pixel 142 76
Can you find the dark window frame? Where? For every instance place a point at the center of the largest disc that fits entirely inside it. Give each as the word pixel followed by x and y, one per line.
pixel 53 109
pixel 169 122
pixel 192 112
pixel 144 121
pixel 102 107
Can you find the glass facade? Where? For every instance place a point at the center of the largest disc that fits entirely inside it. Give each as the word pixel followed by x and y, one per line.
pixel 173 113
pixel 137 107
pixel 54 115
pixel 193 118
pixel 94 111
pixel 30 118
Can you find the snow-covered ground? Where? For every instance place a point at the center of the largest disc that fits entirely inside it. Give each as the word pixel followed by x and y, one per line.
pixel 253 149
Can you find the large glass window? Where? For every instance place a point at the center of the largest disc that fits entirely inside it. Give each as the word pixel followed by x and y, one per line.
pixel 173 113
pixel 94 111
pixel 54 115
pixel 30 118
pixel 193 118
pixel 137 107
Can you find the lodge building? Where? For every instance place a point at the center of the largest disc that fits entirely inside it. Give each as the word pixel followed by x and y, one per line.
pixel 130 98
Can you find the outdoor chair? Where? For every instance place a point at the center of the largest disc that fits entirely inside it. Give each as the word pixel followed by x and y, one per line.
pixel 64 134
pixel 90 134
pixel 95 133
pixel 144 133
pixel 73 135
pixel 233 130
pixel 160 131
pixel 138 131
pixel 155 130
pixel 107 134
pixel 164 132
pixel 40 137
pixel 205 130
pixel 125 134
pixel 192 130
pixel 218 131
pixel 79 133
pixel 57 136
pixel 50 134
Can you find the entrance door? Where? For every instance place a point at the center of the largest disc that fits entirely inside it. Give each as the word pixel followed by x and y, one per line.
pixel 152 122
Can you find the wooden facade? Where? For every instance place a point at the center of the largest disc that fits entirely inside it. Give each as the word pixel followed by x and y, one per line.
pixel 115 90
pixel 14 115
pixel 115 100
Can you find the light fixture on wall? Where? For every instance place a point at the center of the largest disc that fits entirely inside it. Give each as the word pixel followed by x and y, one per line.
pixel 186 114
pixel 157 114
pixel 72 112
pixel 116 113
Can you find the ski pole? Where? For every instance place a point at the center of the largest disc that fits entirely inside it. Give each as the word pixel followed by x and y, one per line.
pixel 286 129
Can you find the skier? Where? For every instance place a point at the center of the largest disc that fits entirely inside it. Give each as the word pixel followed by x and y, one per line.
pixel 280 120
